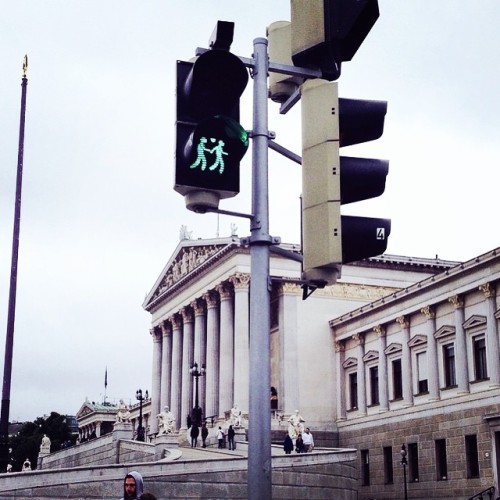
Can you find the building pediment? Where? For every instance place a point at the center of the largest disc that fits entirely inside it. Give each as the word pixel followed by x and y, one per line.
pixel 370 356
pixel 444 331
pixel 417 341
pixel 350 363
pixel 189 258
pixel 86 409
pixel 475 321
pixel 393 348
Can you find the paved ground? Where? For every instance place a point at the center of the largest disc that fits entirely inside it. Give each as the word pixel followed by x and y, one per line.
pixel 215 453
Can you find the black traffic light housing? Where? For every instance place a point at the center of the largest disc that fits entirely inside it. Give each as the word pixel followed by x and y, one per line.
pixel 210 142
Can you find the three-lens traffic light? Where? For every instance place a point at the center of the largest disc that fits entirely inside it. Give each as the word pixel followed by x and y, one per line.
pixel 330 239
pixel 210 142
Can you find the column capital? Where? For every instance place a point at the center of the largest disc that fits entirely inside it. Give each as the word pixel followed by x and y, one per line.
pixel 156 334
pixel 290 288
pixel 358 339
pixel 198 307
pixel 403 322
pixel 428 312
pixel 339 346
pixel 456 301
pixel 176 321
pixel 225 290
pixel 379 330
pixel 166 328
pixel 488 290
pixel 240 281
pixel 210 299
pixel 187 314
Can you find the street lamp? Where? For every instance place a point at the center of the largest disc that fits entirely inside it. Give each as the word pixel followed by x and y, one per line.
pixel 197 411
pixel 404 463
pixel 140 398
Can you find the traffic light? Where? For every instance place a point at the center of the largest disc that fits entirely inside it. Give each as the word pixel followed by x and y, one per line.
pixel 327 32
pixel 210 142
pixel 330 239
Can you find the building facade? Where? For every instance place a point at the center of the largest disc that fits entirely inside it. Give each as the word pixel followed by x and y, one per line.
pixel 419 371
pixel 200 313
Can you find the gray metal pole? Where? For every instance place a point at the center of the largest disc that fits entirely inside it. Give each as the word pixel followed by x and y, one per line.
pixel 259 418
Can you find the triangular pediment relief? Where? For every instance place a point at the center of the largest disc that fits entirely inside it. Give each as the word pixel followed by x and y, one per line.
pixel 370 356
pixel 350 363
pixel 475 321
pixel 189 257
pixel 444 331
pixel 86 409
pixel 393 348
pixel 417 340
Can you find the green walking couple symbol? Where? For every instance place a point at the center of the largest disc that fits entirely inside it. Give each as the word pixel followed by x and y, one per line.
pixel 201 158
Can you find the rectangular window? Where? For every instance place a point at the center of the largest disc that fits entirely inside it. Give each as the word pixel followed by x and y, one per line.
pixel 471 456
pixel 397 379
pixel 388 467
pixel 422 373
pixel 365 468
pixel 413 462
pixel 374 385
pixel 441 460
pixel 480 365
pixel 450 378
pixel 353 390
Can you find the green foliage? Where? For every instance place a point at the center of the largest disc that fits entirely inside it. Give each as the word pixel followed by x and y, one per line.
pixel 27 442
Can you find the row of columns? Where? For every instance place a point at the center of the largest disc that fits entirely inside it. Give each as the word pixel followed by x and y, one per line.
pixel 204 331
pixel 460 343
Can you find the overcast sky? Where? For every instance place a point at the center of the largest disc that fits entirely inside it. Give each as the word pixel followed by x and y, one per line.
pixel 100 218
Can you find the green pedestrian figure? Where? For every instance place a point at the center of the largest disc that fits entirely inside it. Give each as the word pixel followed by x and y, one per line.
pixel 219 160
pixel 200 154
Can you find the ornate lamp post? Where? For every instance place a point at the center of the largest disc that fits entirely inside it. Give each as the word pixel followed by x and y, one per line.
pixel 197 411
pixel 404 463
pixel 140 428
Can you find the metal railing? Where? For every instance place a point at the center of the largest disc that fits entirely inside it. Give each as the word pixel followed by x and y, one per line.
pixel 486 494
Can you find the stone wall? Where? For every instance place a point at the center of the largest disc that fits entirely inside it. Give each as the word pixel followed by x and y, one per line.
pixel 423 430
pixel 319 475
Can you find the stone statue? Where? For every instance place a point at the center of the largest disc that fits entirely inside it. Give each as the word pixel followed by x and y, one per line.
pixel 166 422
pixel 236 416
pixel 123 414
pixel 9 467
pixel 296 425
pixel 26 465
pixel 45 446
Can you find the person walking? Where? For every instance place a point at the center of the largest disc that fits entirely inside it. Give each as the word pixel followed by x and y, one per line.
pixel 307 437
pixel 220 437
pixel 204 434
pixel 195 432
pixel 230 438
pixel 133 486
pixel 288 444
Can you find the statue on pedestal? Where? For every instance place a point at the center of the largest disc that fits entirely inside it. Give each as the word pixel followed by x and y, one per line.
pixel 166 422
pixel 123 414
pixel 296 425
pixel 26 465
pixel 236 416
pixel 45 446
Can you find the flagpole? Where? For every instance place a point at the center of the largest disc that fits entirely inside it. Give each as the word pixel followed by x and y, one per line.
pixel 105 383
pixel 9 337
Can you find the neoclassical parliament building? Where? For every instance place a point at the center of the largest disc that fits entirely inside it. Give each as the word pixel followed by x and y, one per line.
pixel 400 354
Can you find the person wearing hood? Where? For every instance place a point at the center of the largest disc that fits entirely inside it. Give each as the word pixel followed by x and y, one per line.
pixel 132 486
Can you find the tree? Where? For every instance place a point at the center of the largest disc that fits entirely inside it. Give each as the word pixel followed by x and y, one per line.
pixel 26 444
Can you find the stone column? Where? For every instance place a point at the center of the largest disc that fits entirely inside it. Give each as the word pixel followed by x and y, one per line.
pixel 156 379
pixel 492 348
pixel 175 397
pixel 461 364
pixel 407 371
pixel 289 354
pixel 241 282
pixel 432 355
pixel 383 382
pixel 200 346
pixel 360 342
pixel 187 363
pixel 212 374
pixel 166 364
pixel 226 356
pixel 341 406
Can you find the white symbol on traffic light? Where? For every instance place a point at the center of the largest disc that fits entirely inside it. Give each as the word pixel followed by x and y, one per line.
pixel 380 233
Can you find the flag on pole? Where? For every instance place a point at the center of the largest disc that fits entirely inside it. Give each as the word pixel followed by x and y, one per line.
pixel 106 378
